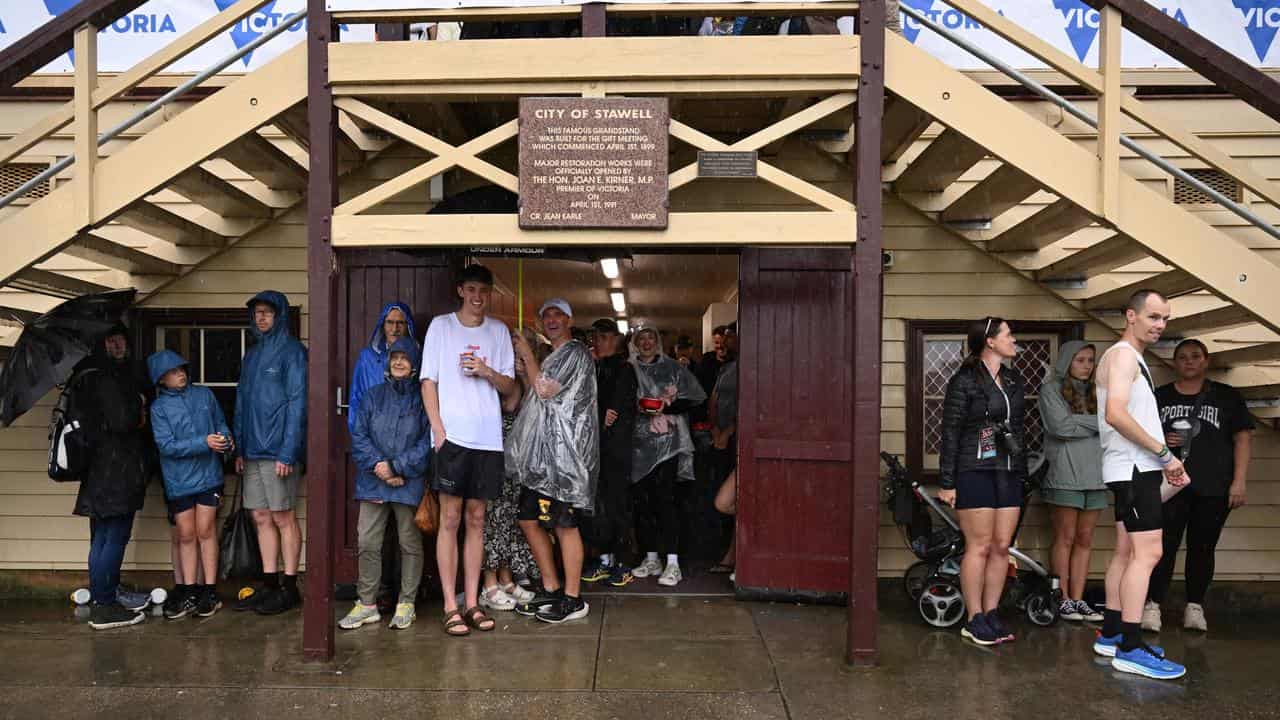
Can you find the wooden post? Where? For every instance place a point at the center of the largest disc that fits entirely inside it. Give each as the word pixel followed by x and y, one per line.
pixel 322 297
pixel 86 123
pixel 1109 115
pixel 593 19
pixel 862 647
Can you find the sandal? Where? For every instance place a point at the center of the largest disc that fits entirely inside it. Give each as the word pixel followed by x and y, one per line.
pixel 477 618
pixel 720 569
pixel 451 626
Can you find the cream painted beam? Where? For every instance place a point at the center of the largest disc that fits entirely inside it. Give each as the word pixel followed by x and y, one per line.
pixel 210 191
pixel 116 256
pixel 551 12
pixel 54 284
pixel 1004 189
pixel 948 157
pixel 670 87
pixel 16 317
pixel 1261 353
pixel 1223 318
pixel 262 160
pixel 1171 233
pixel 904 123
pixel 685 229
pixel 1169 284
pixel 1098 259
pixel 1039 231
pixel 606 59
pixel 160 222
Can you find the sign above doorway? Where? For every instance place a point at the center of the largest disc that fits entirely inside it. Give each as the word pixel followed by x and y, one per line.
pixel 593 163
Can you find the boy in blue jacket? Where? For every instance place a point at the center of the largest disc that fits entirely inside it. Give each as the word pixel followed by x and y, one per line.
pixel 191 434
pixel 390 442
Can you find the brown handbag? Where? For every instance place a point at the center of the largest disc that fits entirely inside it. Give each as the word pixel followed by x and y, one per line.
pixel 428 516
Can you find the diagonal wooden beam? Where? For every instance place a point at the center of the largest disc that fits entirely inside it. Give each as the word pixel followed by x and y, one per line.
pixel 116 256
pixel 210 191
pixel 1262 352
pixel 1223 318
pixel 266 163
pixel 904 123
pixel 1170 284
pixel 158 221
pixel 1004 189
pixel 1098 259
pixel 1042 229
pixel 948 157
pixel 798 121
pixel 54 284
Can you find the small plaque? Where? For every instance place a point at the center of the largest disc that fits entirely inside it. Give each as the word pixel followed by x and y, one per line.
pixel 593 162
pixel 726 164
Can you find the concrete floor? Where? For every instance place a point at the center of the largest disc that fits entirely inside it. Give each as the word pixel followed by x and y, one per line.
pixel 634 657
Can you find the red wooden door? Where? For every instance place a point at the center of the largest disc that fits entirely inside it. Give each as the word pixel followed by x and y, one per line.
pixel 369 280
pixel 795 420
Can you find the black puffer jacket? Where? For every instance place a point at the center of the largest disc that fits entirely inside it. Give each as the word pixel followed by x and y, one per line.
pixel 974 401
pixel 112 401
pixel 616 385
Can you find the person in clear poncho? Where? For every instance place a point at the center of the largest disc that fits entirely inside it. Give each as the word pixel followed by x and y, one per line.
pixel 554 455
pixel 662 454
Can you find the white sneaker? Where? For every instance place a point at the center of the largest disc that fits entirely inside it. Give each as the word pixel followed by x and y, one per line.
pixel 521 595
pixel 671 576
pixel 1193 618
pixel 495 598
pixel 1151 616
pixel 405 614
pixel 647 568
pixel 361 614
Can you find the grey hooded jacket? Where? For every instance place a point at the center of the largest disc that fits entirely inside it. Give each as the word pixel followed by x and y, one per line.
pixel 1071 444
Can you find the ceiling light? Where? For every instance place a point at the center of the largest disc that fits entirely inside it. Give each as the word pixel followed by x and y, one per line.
pixel 623 327
pixel 609 266
pixel 619 302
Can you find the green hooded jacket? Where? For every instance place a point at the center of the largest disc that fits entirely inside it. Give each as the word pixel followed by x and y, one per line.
pixel 1071 444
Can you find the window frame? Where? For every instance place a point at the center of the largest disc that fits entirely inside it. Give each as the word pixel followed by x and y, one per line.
pixel 917 332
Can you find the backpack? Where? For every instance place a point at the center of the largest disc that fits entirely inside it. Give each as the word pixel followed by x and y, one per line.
pixel 70 447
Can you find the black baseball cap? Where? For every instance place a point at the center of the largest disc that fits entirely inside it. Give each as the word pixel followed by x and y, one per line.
pixel 606 325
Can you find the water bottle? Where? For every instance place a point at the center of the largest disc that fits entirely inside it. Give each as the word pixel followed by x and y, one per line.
pixel 158 596
pixel 80 596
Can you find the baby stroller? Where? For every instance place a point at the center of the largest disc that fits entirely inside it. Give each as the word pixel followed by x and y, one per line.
pixel 933 581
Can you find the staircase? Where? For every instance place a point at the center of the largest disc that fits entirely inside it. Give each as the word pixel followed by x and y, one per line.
pixel 940 126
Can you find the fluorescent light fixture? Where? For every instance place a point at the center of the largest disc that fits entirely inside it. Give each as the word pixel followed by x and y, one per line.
pixel 623 327
pixel 619 302
pixel 609 266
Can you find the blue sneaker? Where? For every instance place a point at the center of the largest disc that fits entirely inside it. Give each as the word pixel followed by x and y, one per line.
pixel 595 572
pixel 1147 662
pixel 1106 645
pixel 979 632
pixel 619 576
pixel 134 601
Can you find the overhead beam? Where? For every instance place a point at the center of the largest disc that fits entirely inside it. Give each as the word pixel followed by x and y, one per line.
pixel 97 249
pixel 261 159
pixel 1223 318
pixel 1056 221
pixel 1004 189
pixel 948 157
pixel 1098 259
pixel 1169 284
pixel 222 197
pixel 1260 353
pixel 44 282
pixel 160 222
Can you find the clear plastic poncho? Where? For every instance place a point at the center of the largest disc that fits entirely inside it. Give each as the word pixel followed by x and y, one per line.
pixel 659 438
pixel 554 447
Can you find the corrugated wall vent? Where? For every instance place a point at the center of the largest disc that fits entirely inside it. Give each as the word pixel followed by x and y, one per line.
pixel 1184 194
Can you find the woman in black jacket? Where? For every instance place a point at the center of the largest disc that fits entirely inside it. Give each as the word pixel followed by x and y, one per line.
pixel 981 469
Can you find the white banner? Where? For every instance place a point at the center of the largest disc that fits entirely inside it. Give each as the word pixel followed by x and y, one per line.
pixel 1247 28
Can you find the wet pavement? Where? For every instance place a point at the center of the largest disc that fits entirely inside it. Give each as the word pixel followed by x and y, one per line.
pixel 684 658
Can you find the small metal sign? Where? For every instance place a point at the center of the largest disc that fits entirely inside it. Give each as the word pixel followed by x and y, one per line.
pixel 593 162
pixel 727 164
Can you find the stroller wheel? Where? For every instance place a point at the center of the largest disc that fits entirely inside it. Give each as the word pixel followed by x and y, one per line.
pixel 941 604
pixel 1041 609
pixel 917 575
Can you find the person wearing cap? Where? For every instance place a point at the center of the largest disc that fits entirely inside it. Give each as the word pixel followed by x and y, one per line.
pixel 662 453
pixel 553 452
pixel 608 529
pixel 467 361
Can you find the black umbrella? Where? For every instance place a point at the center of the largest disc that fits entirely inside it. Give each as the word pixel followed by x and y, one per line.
pixel 52 344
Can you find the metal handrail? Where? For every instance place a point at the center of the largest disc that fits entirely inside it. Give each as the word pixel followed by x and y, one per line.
pixel 1044 92
pixel 155 105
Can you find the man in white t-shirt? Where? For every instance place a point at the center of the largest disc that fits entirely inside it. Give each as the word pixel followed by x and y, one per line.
pixel 467 361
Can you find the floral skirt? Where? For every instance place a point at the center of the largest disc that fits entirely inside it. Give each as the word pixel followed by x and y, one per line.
pixel 504 543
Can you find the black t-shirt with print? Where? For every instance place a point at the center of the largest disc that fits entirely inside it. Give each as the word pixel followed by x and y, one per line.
pixel 1222 414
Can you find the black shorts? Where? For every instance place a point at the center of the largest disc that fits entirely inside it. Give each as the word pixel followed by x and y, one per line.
pixel 466 473
pixel 209 498
pixel 549 512
pixel 976 489
pixel 1138 503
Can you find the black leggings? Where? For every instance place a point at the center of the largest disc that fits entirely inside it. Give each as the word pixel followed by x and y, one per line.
pixel 1202 519
pixel 657 510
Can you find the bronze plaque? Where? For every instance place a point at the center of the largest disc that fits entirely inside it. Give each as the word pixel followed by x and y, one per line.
pixel 593 162
pixel 726 164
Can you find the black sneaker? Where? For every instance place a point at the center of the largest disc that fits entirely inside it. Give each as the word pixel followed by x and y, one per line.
pixel 541 599
pixel 251 601
pixel 568 608
pixel 185 605
pixel 208 604
pixel 276 601
pixel 979 632
pixel 1001 630
pixel 173 600
pixel 105 617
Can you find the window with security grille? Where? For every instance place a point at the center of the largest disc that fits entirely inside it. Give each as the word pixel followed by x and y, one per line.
pixel 15 175
pixel 936 350
pixel 1185 194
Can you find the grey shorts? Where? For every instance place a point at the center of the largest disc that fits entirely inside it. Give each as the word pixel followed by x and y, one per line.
pixel 264 491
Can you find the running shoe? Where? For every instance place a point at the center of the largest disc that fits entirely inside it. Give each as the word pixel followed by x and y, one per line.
pixel 565 609
pixel 404 617
pixel 360 614
pixel 997 626
pixel 1151 616
pixel 134 601
pixel 595 572
pixel 184 604
pixel 1088 612
pixel 1106 645
pixel 1147 662
pixel 208 602
pixel 1068 610
pixel 619 576
pixel 671 576
pixel 979 632
pixel 651 566
pixel 106 617
pixel 1193 618
pixel 541 599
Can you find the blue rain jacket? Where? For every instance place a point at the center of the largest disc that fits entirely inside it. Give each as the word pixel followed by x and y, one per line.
pixel 371 365
pixel 271 399
pixel 392 425
pixel 181 420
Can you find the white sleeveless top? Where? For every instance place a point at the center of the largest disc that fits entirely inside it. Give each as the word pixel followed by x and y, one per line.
pixel 1119 455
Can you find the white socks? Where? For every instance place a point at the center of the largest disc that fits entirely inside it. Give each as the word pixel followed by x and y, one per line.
pixel 606 559
pixel 673 559
pixel 651 556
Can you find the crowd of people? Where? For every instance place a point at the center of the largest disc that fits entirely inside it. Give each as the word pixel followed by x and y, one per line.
pixel 1174 458
pixel 548 460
